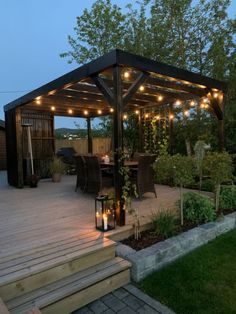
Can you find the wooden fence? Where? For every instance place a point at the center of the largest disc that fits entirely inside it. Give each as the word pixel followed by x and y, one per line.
pixel 100 145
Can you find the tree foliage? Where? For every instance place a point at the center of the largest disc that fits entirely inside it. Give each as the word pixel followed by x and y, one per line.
pixel 195 35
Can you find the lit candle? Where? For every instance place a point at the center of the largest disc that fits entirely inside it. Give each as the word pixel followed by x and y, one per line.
pixel 105 221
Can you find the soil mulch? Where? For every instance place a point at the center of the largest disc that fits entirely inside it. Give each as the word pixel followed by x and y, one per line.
pixel 148 237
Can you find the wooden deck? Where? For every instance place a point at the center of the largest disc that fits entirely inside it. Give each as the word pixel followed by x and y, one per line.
pixel 53 212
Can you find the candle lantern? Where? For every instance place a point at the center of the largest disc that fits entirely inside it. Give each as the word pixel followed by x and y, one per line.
pixel 104 213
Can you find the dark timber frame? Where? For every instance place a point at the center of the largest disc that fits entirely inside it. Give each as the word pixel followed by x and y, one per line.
pixel 100 88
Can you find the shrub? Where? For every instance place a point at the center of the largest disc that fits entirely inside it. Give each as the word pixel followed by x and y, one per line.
pixel 228 197
pixel 198 208
pixel 164 223
pixel 57 166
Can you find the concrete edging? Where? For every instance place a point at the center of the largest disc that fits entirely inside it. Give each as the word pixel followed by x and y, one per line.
pixel 160 254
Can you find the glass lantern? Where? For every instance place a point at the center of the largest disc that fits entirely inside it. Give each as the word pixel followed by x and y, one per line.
pixel 104 213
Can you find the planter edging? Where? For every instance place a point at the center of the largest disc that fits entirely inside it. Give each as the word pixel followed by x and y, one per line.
pixel 162 253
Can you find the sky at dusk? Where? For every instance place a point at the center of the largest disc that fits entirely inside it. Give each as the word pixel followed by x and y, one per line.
pixel 33 34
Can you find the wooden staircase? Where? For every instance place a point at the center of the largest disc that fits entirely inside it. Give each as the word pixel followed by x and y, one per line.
pixel 62 276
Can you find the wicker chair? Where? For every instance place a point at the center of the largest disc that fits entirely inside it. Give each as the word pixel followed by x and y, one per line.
pixel 81 172
pixel 95 180
pixel 144 176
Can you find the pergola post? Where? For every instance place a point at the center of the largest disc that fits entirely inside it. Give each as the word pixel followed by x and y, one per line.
pixel 118 144
pixel 89 135
pixel 140 131
pixel 218 107
pixel 171 127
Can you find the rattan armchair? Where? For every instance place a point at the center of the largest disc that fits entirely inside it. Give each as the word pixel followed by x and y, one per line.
pixel 81 180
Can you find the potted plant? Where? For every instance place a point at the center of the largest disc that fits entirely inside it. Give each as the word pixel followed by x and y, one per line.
pixel 56 169
pixel 33 180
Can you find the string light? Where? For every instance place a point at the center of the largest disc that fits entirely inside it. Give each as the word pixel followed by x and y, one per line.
pixel 157 117
pixel 146 115
pixel 160 98
pixel 38 102
pixel 99 111
pixel 125 116
pixel 215 95
pixel 186 113
pixel 192 103
pixel 205 100
pixel 178 102
pixel 141 88
pixel 171 116
pixel 85 112
pixel 126 74
pixel 137 112
pixel 70 111
pixel 111 110
pixel 53 108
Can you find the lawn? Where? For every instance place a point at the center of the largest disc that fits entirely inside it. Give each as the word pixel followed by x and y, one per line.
pixel 203 281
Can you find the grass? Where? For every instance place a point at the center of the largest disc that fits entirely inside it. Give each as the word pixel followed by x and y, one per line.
pixel 201 282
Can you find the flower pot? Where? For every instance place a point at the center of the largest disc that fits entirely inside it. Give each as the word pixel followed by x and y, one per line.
pixel 56 177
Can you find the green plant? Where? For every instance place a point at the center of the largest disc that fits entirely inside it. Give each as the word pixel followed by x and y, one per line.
pixel 198 208
pixel 219 168
pixel 199 150
pixel 163 169
pixel 228 197
pixel 57 166
pixel 164 223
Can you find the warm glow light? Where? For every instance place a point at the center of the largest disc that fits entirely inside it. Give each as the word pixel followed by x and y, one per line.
pixel 171 116
pixel 111 110
pixel 99 111
pixel 157 117
pixel 202 106
pixel 125 116
pixel 141 88
pixel 205 100
pixel 160 98
pixel 146 115
pixel 178 102
pixel 136 111
pixel 85 112
pixel 38 101
pixel 126 74
pixel 215 95
pixel 70 111
pixel 53 108
pixel 186 113
pixel 39 97
pixel 192 103
pixel 206 106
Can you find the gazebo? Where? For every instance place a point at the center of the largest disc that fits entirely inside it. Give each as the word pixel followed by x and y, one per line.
pixel 110 85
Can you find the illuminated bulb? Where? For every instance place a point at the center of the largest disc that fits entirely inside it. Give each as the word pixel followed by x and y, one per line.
pixel 186 113
pixel 111 110
pixel 126 74
pixel 85 112
pixel 38 102
pixel 70 111
pixel 53 108
pixel 160 98
pixel 99 111
pixel 192 103
pixel 215 95
pixel 178 102
pixel 136 111
pixel 171 116
pixel 146 115
pixel 141 88
pixel 206 106
pixel 157 117
pixel 205 100
pixel 125 116
pixel 39 97
pixel 202 106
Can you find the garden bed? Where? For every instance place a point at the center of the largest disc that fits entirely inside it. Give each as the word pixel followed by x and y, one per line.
pixel 146 261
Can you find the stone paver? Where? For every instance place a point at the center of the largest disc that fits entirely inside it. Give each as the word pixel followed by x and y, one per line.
pixel 126 300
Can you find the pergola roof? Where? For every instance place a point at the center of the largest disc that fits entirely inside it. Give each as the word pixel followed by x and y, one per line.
pixel 79 92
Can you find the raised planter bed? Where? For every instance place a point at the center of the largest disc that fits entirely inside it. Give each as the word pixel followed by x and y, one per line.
pixel 160 254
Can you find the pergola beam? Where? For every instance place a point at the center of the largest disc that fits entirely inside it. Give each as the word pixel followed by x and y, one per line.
pixel 134 87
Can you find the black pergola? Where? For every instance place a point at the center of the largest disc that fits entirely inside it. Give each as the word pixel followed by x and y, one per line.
pixel 110 85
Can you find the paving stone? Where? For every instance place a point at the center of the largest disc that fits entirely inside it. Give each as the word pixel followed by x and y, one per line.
pixel 97 307
pixel 120 293
pixel 146 309
pixel 109 311
pixel 133 302
pixel 83 310
pixel 114 303
pixel 127 310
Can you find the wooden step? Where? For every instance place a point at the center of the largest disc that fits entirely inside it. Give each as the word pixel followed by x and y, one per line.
pixel 75 291
pixel 31 270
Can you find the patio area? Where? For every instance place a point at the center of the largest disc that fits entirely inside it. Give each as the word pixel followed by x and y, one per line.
pixel 53 212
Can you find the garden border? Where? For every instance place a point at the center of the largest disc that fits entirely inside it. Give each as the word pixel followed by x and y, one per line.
pixel 160 254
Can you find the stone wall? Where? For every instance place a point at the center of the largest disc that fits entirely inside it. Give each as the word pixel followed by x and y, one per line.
pixel 160 254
